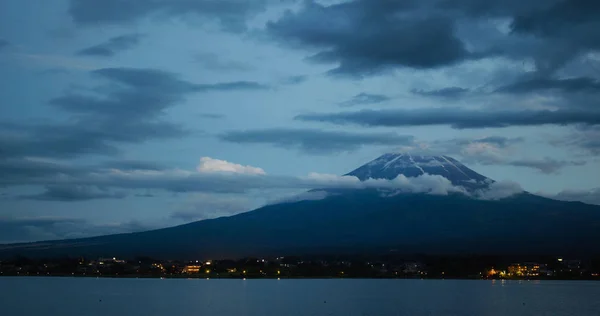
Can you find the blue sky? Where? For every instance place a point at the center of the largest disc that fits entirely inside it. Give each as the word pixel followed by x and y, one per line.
pixel 95 92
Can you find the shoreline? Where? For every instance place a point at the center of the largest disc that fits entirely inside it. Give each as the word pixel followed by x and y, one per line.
pixel 282 277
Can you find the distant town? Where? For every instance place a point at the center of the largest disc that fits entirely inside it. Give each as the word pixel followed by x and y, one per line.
pixel 313 267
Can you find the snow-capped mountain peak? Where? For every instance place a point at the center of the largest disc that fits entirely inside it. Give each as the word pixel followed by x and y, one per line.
pixel 390 165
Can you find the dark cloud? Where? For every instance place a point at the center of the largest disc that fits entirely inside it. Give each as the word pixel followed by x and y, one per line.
pixel 499 151
pixel 112 46
pixel 75 193
pixel 455 117
pixel 560 19
pixel 128 110
pixel 231 14
pixel 571 31
pixel 500 141
pixel 34 229
pixel 450 92
pixel 364 99
pixel 370 36
pixel 4 44
pixel 366 37
pixel 23 229
pixel 231 86
pixel 20 170
pixel 295 79
pixel 85 137
pixel 551 32
pixel 145 195
pixel 68 181
pixel 218 63
pixel 146 79
pixel 315 141
pixel 132 165
pixel 546 165
pixel 581 84
pixel 586 138
pixel 492 8
pixel 565 92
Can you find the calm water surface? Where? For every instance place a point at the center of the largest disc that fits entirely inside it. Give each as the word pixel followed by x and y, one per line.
pixel 89 296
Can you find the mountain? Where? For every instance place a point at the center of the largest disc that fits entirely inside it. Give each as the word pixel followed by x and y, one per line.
pixel 390 165
pixel 365 221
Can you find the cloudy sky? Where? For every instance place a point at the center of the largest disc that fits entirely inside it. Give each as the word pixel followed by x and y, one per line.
pixel 124 115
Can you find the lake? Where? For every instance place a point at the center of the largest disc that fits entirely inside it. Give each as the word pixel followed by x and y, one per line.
pixel 343 297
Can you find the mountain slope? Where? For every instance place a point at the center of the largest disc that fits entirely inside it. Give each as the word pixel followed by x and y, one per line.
pixel 363 221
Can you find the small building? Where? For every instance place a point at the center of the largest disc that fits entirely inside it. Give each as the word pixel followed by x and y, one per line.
pixel 527 269
pixel 191 269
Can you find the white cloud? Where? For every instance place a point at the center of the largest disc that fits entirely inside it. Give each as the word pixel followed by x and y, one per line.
pixel 500 190
pixel 211 165
pixel 432 184
pixel 304 196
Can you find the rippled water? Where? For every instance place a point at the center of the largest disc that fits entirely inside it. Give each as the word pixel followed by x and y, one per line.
pixel 90 296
